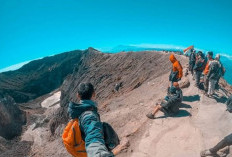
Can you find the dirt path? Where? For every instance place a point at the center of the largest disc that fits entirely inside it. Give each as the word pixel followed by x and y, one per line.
pixel 186 135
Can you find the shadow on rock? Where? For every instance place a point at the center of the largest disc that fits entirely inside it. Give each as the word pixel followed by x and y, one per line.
pixel 221 99
pixel 181 113
pixel 183 105
pixel 191 98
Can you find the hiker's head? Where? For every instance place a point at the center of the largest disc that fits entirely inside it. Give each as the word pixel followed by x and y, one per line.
pixel 86 91
pixel 210 55
pixel 217 57
pixel 172 58
pixel 200 54
pixel 176 84
pixel 194 51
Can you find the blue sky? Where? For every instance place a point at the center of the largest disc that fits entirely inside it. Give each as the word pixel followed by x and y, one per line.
pixel 33 29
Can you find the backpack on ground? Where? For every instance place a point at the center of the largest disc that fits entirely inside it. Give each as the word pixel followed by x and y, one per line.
pixel 72 139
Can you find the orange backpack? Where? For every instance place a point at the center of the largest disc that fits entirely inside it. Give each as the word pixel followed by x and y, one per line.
pixel 72 139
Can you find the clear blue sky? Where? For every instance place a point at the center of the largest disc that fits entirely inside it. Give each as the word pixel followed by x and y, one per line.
pixel 31 29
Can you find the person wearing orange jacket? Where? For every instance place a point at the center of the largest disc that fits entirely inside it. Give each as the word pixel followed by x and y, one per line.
pixel 206 70
pixel 177 70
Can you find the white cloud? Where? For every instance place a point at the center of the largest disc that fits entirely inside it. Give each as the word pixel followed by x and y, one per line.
pixel 226 55
pixel 14 67
pixel 162 46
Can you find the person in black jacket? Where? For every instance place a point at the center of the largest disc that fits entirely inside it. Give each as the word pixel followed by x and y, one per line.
pixel 199 67
pixel 192 60
pixel 170 105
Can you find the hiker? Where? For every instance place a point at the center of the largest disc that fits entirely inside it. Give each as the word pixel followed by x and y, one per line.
pixel 206 71
pixel 221 72
pixel 213 75
pixel 177 70
pixel 199 67
pixel 229 104
pixel 170 105
pixel 117 86
pixel 89 121
pixel 192 61
pixel 227 141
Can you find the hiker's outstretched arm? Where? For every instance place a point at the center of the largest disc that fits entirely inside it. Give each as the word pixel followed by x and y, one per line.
pixel 94 137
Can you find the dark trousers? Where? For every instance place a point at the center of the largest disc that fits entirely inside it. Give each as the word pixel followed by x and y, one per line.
pixel 206 83
pixel 191 65
pixel 198 77
pixel 217 84
pixel 227 141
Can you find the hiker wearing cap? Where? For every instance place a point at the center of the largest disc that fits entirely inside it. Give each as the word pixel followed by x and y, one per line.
pixel 177 70
pixel 213 75
pixel 206 70
pixel 199 67
pixel 221 71
pixel 170 105
pixel 192 61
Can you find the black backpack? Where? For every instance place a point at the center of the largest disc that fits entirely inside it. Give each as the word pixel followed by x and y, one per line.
pixel 110 136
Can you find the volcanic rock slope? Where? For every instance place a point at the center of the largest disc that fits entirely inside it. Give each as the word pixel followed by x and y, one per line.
pixel 34 79
pixel 143 76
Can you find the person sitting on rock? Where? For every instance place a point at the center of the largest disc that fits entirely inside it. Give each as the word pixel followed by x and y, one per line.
pixel 170 105
pixel 227 141
pixel 89 121
pixel 177 70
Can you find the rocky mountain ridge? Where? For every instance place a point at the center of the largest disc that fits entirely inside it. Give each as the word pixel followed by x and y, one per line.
pixel 143 79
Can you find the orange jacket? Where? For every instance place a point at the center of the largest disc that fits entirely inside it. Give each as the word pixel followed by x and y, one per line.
pixel 207 67
pixel 176 66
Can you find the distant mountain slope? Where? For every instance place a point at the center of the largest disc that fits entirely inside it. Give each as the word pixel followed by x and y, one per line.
pixel 106 70
pixel 39 77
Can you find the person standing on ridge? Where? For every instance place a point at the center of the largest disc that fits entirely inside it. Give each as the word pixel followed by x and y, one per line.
pixel 199 67
pixel 192 61
pixel 213 75
pixel 206 71
pixel 222 71
pixel 177 70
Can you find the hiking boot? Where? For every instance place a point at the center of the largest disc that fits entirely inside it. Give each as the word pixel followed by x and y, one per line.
pixel 207 153
pixel 150 116
pixel 206 94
